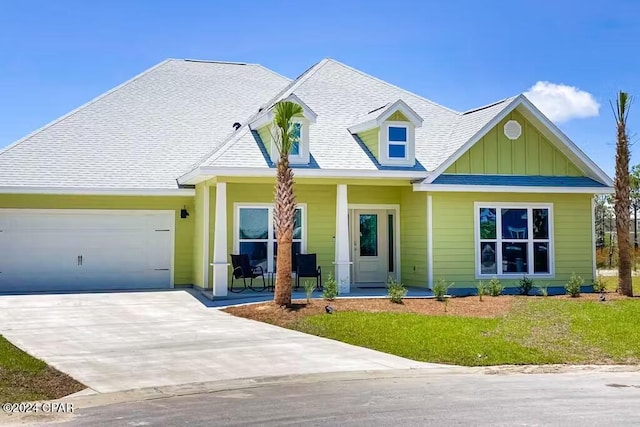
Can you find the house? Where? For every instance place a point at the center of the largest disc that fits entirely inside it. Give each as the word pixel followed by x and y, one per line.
pixel 156 182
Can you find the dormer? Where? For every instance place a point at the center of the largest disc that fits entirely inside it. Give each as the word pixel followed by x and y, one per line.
pixel 300 153
pixel 389 133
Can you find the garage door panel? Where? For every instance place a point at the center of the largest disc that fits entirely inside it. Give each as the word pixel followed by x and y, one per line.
pixel 85 250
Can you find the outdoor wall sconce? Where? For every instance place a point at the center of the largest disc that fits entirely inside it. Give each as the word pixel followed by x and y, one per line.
pixel 184 213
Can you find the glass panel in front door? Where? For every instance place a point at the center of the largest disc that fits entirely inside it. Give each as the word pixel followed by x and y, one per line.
pixel 368 235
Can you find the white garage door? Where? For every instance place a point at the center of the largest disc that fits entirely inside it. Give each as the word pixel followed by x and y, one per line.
pixel 47 250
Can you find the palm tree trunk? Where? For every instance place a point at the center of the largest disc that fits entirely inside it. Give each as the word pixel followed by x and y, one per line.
pixel 635 227
pixel 622 210
pixel 284 217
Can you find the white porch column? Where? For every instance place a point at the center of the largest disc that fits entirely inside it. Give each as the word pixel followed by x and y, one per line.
pixel 206 218
pixel 342 262
pixel 430 241
pixel 220 263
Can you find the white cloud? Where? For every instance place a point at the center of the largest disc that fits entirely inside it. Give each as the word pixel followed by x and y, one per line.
pixel 562 103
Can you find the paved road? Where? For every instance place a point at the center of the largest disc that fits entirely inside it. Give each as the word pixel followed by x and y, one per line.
pixel 406 398
pixel 123 341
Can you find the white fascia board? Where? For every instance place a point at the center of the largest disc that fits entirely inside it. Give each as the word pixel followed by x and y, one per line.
pixel 362 127
pixel 385 113
pixel 308 113
pixel 261 121
pixel 401 106
pixel 206 172
pixel 99 191
pixel 267 117
pixel 509 189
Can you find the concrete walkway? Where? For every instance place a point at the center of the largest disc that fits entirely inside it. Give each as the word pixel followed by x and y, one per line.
pixel 121 341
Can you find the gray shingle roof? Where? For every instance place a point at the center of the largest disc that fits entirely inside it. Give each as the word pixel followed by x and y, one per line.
pixel 178 116
pixel 145 133
pixel 341 95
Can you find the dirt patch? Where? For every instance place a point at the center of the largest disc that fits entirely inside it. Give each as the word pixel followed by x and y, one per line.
pixel 467 306
pixel 16 386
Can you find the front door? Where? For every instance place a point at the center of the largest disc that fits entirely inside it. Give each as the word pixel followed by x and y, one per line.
pixel 369 243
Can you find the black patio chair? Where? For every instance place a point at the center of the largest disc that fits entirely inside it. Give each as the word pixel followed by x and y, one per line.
pixel 242 269
pixel 306 266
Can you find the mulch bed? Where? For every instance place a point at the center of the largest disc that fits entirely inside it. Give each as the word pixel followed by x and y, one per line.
pixel 462 306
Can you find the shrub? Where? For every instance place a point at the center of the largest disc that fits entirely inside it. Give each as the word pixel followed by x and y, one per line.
pixel 483 289
pixel 330 290
pixel 526 285
pixel 543 289
pixel 396 291
pixel 495 287
pixel 440 289
pixel 309 286
pixel 599 285
pixel 574 285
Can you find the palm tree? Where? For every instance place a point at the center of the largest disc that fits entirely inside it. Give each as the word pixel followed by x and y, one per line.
pixel 622 193
pixel 634 181
pixel 284 136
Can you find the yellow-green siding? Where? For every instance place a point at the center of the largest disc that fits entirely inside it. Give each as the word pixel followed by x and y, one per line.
pixel 413 237
pixel 397 117
pixel 531 154
pixel 321 213
pixel 454 235
pixel 265 136
pixel 198 237
pixel 370 139
pixel 184 246
pixel 368 194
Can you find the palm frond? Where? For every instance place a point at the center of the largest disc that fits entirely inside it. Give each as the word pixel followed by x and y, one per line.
pixel 283 131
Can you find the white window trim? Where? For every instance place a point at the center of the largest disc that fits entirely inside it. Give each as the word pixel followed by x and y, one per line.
pixel 530 240
pixel 303 156
pixel 383 149
pixel 271 236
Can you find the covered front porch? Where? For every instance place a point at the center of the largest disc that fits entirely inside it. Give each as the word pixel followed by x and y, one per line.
pixel 362 231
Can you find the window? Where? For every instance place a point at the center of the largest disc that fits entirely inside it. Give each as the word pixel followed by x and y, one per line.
pixel 513 240
pixel 397 137
pixel 396 145
pixel 297 134
pixel 256 236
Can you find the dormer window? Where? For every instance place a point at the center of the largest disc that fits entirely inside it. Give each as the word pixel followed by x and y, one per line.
pixel 388 132
pixel 397 138
pixel 397 143
pixel 299 154
pixel 297 134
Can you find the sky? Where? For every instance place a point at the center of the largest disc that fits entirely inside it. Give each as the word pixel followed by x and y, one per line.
pixel 570 58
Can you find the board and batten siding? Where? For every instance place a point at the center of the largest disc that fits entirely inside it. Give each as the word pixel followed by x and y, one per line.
pixel 184 228
pixel 454 235
pixel 531 154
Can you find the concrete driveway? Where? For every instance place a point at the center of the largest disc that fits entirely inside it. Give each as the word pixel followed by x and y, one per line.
pixel 121 341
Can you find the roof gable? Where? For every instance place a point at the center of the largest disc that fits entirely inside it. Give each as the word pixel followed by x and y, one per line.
pixel 530 154
pixel 398 109
pixel 548 129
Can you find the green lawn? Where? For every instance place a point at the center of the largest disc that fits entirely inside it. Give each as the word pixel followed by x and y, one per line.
pixel 612 283
pixel 537 331
pixel 25 378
